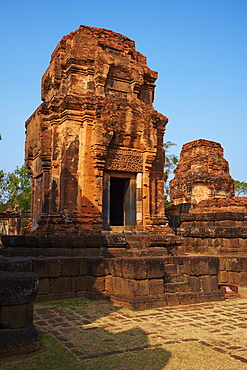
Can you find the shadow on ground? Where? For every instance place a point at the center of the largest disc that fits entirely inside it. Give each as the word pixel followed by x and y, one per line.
pixel 71 339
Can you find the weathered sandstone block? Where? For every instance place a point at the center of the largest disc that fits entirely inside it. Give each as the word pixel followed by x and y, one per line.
pixel 17 333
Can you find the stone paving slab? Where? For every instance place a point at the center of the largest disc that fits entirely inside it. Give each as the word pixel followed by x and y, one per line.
pixel 219 326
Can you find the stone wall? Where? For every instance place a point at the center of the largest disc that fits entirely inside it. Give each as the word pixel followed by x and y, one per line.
pixel 133 283
pixel 216 226
pixel 233 270
pixel 153 282
pixel 109 245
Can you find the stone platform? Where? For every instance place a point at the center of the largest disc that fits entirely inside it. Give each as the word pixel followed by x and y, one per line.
pixel 135 283
pixel 107 245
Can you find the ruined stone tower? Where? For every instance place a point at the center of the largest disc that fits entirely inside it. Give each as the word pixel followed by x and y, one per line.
pixel 95 145
pixel 202 173
pixel 204 210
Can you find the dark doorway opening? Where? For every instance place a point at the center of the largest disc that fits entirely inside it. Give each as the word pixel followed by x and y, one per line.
pixel 118 190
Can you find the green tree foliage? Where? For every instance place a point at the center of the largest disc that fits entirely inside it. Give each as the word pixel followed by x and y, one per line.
pixel 15 189
pixel 240 188
pixel 171 161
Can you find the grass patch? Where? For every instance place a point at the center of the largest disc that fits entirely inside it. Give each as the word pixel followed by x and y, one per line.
pixel 195 356
pixel 51 356
pixel 96 345
pixel 151 359
pixel 70 302
pixel 100 341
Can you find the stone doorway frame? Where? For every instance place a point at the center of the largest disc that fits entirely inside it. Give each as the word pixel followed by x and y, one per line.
pixel 132 207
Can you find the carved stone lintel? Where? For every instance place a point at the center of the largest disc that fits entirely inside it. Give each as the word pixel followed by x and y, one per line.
pixel 123 160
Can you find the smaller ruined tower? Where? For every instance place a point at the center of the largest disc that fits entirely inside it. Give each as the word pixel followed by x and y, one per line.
pixel 202 173
pixel 204 210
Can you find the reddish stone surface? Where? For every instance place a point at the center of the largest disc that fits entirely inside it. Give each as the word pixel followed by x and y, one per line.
pixel 215 227
pixel 96 123
pixel 135 283
pixel 204 209
pixel 202 173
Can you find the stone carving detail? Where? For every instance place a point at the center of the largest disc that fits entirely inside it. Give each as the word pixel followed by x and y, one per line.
pixel 123 160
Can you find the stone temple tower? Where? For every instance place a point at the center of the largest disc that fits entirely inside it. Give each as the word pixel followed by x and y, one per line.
pixel 95 152
pixel 95 145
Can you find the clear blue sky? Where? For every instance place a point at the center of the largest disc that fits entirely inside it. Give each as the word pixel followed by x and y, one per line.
pixel 198 48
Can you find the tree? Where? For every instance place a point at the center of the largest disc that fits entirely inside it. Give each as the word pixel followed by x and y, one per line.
pixel 171 161
pixel 240 188
pixel 15 189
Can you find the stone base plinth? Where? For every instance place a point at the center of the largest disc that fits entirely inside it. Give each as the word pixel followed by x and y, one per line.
pixel 139 283
pixel 133 282
pixel 106 244
pixel 172 299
